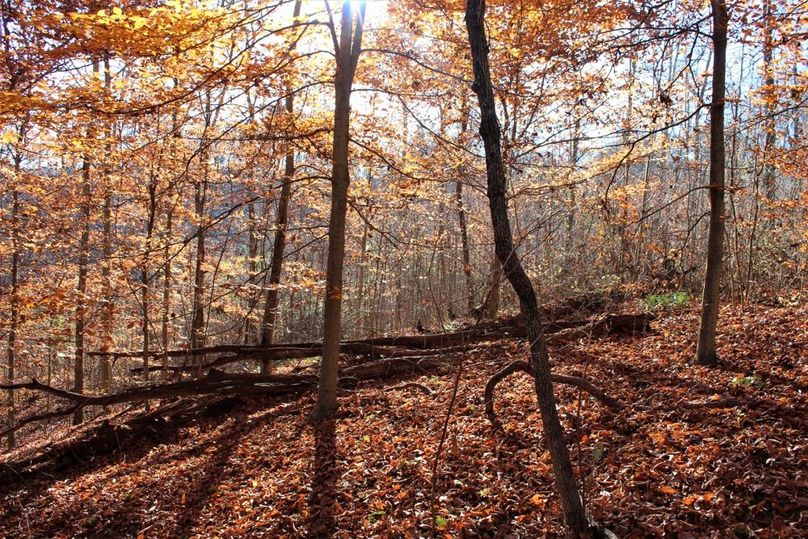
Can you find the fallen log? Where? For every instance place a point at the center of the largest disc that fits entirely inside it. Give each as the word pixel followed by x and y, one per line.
pixel 221 383
pixel 523 366
pixel 106 437
pixel 215 382
pixel 411 345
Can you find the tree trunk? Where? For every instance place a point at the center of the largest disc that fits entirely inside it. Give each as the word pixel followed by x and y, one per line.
pixel 200 199
pixel 539 358
pixel 347 54
pixel 166 285
pixel 464 246
pixel 279 245
pixel 198 315
pixel 145 282
pixel 769 126
pixel 252 269
pixel 81 286
pixel 14 308
pixel 461 217
pixel 107 310
pixel 706 348
pixel 490 307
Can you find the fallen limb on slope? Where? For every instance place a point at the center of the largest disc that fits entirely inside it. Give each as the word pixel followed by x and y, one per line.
pixel 407 345
pixel 222 383
pixel 215 382
pixel 522 366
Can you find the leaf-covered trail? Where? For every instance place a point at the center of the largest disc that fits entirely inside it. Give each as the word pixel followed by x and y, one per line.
pixel 696 452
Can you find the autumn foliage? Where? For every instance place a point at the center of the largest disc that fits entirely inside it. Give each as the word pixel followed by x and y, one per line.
pixel 189 185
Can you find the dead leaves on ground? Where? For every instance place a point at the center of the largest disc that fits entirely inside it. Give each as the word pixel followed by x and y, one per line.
pixel 697 452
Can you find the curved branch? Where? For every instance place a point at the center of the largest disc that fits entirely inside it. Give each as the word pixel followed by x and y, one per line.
pixel 523 366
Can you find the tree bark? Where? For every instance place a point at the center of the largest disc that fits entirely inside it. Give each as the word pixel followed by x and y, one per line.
pixel 279 245
pixel 706 347
pixel 164 325
pixel 81 285
pixel 145 281
pixel 461 216
pixel 464 246
pixel 200 198
pixel 769 126
pixel 108 308
pixel 347 54
pixel 490 306
pixel 14 299
pixel 566 484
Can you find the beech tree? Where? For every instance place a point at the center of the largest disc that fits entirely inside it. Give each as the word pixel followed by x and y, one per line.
pixel 281 221
pixel 566 484
pixel 346 49
pixel 706 348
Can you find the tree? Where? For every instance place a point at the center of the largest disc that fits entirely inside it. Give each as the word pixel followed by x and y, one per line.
pixel 281 220
pixel 347 51
pixel 706 347
pixel 566 484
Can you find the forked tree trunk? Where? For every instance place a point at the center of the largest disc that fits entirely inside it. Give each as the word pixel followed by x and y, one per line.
pixel 566 485
pixel 347 54
pixel 706 348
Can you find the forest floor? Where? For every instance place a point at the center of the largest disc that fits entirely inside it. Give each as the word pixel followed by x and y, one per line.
pixel 697 452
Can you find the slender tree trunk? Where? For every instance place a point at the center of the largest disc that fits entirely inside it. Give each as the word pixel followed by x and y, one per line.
pixel 464 247
pixel 198 315
pixel 489 130
pixel 252 270
pixel 198 333
pixel 279 245
pixel 144 275
pixel 278 248
pixel 347 53
pixel 166 286
pixel 570 240
pixel 461 216
pixel 81 286
pixel 706 347
pixel 108 308
pixel 361 289
pixel 14 300
pixel 770 127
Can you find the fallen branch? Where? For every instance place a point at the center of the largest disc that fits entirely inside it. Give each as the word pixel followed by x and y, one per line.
pixel 522 366
pixel 407 345
pixel 215 382
pixel 222 383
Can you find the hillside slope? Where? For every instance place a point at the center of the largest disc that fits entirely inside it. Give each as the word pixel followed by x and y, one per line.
pixel 695 452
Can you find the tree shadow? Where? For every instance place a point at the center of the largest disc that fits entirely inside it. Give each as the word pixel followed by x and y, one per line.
pixel 323 497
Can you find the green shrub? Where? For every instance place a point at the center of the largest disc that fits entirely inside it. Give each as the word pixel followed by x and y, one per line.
pixel 673 299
